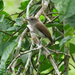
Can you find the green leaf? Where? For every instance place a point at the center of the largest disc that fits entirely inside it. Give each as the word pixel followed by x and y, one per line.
pixel 69 32
pixel 3 46
pixel 44 67
pixel 24 57
pixel 19 21
pixel 4 24
pixel 24 5
pixel 71 21
pixel 1 37
pixel 5 13
pixel 53 24
pixel 65 8
pixel 2 70
pixel 73 40
pixel 61 5
pixel 64 40
pixel 67 26
pixel 7 52
pixel 53 1
pixel 42 17
pixel 1 5
pixel 2 18
pixel 61 67
pixel 59 27
pixel 26 44
pixel 34 9
pixel 72 48
pixel 14 28
pixel 44 41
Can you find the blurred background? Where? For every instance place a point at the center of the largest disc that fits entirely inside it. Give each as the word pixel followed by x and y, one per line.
pixel 9 5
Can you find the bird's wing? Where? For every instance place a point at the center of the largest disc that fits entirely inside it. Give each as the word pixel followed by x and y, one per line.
pixel 42 28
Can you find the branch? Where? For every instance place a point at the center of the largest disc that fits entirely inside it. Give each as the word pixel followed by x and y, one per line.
pixel 49 56
pixel 59 52
pixel 53 69
pixel 27 12
pixel 12 64
pixel 35 39
pixel 6 33
pixel 19 70
pixel 21 53
pixel 53 13
pixel 39 62
pixel 44 6
pixel 14 33
pixel 13 14
pixel 53 19
pixel 72 58
pixel 21 38
pixel 28 61
pixel 46 17
pixel 60 37
pixel 72 65
pixel 58 31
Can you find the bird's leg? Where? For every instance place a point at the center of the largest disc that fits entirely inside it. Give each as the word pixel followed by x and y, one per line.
pixel 40 41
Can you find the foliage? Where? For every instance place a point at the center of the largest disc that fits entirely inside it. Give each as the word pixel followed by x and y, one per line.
pixel 11 29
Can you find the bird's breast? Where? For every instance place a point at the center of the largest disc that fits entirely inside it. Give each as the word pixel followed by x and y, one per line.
pixel 37 31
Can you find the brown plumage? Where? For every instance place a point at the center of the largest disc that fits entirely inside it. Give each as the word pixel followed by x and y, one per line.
pixel 42 28
pixel 39 28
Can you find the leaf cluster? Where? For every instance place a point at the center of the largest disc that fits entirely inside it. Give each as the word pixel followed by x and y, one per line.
pixel 62 27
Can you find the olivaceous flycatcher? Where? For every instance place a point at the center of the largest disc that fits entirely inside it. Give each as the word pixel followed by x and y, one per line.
pixel 39 28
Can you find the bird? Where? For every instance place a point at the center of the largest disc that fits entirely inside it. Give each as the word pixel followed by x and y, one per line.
pixel 39 28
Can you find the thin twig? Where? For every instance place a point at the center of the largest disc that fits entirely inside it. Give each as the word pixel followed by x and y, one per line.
pixel 6 33
pixel 58 31
pixel 44 6
pixel 17 55
pixel 53 13
pixel 59 52
pixel 13 14
pixel 21 38
pixel 53 69
pixel 53 19
pixel 72 65
pixel 10 19
pixel 60 37
pixel 33 64
pixel 18 64
pixel 19 70
pixel 73 58
pixel 49 56
pixel 21 53
pixel 14 33
pixel 46 17
pixel 39 62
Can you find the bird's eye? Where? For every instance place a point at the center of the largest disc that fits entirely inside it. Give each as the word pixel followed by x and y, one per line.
pixel 31 19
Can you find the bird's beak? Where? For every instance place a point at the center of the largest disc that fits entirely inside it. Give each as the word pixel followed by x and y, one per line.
pixel 27 19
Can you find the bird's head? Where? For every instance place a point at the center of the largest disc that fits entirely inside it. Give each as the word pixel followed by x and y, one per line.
pixel 32 20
